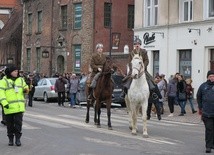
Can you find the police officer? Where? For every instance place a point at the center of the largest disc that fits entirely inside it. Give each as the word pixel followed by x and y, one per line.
pixel 12 89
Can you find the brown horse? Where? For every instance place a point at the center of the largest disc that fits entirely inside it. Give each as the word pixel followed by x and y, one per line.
pixel 102 93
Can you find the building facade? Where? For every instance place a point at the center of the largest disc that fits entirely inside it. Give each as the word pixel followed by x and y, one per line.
pixel 10 32
pixel 61 35
pixel 178 36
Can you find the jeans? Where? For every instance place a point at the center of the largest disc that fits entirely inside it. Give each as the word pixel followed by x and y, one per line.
pixel 73 99
pixel 191 104
pixel 182 104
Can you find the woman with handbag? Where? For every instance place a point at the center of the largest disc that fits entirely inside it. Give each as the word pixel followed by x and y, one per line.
pixel 181 94
pixel 189 91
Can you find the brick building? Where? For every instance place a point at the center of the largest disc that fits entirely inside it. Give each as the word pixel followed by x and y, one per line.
pixel 10 32
pixel 61 35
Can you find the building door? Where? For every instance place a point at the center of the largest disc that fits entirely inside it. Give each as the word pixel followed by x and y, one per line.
pixel 60 64
pixel 211 59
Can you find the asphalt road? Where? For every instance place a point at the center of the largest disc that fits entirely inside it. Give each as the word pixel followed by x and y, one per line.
pixel 52 130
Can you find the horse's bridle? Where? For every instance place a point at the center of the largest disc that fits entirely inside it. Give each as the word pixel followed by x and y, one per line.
pixel 140 70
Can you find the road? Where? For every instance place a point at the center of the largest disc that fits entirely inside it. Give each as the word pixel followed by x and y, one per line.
pixel 52 130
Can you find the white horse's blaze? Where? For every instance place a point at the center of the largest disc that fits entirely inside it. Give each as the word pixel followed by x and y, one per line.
pixel 138 95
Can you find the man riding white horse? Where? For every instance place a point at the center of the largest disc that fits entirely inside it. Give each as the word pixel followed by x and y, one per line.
pixel 143 53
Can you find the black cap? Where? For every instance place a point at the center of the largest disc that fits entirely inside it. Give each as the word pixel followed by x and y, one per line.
pixel 210 73
pixel 9 70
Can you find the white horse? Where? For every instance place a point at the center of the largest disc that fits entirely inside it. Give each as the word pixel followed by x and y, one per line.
pixel 137 96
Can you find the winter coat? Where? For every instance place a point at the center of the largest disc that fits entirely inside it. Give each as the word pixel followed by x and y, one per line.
pixel 97 61
pixel 142 53
pixel 73 86
pixel 181 88
pixel 60 85
pixel 205 98
pixel 189 91
pixel 12 95
pixel 162 87
pixel 172 88
pixel 155 95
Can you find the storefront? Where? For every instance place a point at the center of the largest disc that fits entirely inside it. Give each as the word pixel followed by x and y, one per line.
pixel 184 48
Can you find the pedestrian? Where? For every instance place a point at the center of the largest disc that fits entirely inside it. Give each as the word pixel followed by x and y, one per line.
pixel 171 92
pixel 12 90
pixel 60 89
pixel 189 91
pixel 162 87
pixel 73 88
pixel 154 98
pixel 205 99
pixel 31 82
pixel 181 94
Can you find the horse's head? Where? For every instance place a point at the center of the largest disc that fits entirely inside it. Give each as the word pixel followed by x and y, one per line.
pixel 108 66
pixel 137 66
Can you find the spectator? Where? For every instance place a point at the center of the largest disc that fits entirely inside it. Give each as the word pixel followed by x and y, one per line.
pixel 181 90
pixel 73 88
pixel 171 92
pixel 60 89
pixel 205 99
pixel 189 91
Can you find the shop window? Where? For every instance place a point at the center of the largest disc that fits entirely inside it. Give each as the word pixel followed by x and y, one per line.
pixel 155 63
pixel 185 63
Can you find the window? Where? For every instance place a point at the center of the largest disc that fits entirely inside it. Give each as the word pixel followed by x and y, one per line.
pixel 39 21
pixel 186 11
pixel 151 12
pixel 185 63
pixel 209 8
pixel 38 57
pixel 29 23
pixel 28 59
pixel 155 62
pixel 107 14
pixel 78 16
pixel 64 17
pixel 77 57
pixel 131 16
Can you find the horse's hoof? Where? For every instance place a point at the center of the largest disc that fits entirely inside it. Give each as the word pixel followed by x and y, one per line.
pixel 130 127
pixel 145 136
pixel 95 123
pixel 98 126
pixel 110 128
pixel 86 121
pixel 134 133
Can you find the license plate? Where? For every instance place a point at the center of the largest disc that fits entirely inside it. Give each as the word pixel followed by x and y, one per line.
pixel 117 90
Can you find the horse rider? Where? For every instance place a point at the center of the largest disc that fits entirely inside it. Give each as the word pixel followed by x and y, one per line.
pixel 143 53
pixel 97 61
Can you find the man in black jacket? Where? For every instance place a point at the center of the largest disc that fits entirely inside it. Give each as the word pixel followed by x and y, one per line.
pixel 205 101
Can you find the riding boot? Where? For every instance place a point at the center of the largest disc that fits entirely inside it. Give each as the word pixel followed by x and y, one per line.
pixel 10 140
pixel 18 136
pixel 94 81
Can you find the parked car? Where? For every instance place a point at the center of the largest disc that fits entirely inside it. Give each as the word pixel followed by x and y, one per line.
pixel 116 96
pixel 45 89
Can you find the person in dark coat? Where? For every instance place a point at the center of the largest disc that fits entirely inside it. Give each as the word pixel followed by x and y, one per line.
pixel 205 100
pixel 181 88
pixel 60 89
pixel 154 98
pixel 31 82
pixel 171 92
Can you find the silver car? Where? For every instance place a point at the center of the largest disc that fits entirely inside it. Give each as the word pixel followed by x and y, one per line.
pixel 45 89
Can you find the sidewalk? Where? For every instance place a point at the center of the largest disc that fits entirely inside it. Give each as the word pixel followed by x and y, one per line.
pixel 189 117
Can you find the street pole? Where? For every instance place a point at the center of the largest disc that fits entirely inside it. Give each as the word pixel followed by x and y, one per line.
pixel 110 39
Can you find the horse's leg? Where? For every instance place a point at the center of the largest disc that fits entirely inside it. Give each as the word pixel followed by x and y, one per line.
pixel 98 111
pixel 134 119
pixel 87 114
pixel 108 106
pixel 128 111
pixel 144 117
pixel 95 113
